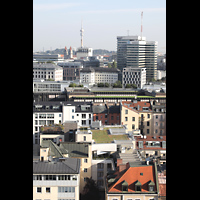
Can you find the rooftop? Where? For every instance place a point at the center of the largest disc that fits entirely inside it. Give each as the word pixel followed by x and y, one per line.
pixel 137 105
pixel 69 166
pixel 143 175
pixel 99 69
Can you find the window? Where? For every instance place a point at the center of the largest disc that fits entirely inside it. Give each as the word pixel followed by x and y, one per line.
pixel 64 177
pixel 72 116
pixel 133 119
pixel 83 122
pixel 85 169
pixel 72 110
pixel 140 144
pixel 66 189
pixel 39 190
pixel 148 115
pixel 85 160
pixel 48 190
pixel 100 165
pixel 138 188
pixel 126 111
pixel 133 126
pixel 84 138
pixel 84 116
pixel 126 119
pixel 97 117
pixel 112 117
pixel 148 123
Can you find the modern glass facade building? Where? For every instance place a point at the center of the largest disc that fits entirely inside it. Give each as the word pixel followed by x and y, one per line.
pixel 134 51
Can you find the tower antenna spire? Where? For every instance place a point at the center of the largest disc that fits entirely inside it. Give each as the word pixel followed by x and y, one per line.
pixel 141 23
pixel 81 33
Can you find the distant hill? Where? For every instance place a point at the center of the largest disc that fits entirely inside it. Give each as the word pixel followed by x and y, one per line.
pixel 95 52
pixel 102 52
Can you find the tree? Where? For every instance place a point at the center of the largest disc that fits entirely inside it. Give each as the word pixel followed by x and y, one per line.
pixel 90 190
pixel 107 84
pixel 117 84
pixel 109 65
pixel 72 85
pixel 133 85
pixel 128 85
pixel 114 65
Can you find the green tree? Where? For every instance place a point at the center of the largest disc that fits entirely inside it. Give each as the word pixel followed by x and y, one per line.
pixel 72 85
pixel 114 65
pixel 107 84
pixel 109 65
pixel 128 85
pixel 90 190
pixel 133 85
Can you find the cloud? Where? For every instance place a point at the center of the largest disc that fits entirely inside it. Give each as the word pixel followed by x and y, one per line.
pixel 55 6
pixel 121 10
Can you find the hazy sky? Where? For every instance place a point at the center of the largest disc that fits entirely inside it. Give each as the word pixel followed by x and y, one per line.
pixel 57 23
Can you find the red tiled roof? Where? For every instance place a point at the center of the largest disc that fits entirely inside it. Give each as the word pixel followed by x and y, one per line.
pixel 134 106
pixel 132 175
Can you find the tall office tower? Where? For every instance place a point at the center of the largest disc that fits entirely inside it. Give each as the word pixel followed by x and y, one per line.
pixel 135 51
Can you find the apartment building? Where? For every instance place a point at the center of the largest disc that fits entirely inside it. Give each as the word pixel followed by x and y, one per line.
pixel 152 147
pixel 46 113
pixel 132 181
pixel 71 70
pixel 137 115
pixel 56 180
pixel 108 114
pixel 135 76
pixel 159 118
pixel 94 75
pixel 47 71
pixel 80 150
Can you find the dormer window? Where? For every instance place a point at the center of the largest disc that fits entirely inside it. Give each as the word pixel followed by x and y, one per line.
pixel 124 186
pixel 138 186
pixel 151 185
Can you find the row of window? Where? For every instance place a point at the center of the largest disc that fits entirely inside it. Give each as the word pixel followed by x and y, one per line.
pixel 45 76
pixel 54 177
pixel 60 189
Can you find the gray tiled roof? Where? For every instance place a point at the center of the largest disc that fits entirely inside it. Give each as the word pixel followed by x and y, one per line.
pixel 75 149
pixel 69 166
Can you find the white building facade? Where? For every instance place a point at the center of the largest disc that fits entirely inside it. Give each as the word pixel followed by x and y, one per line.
pixel 135 76
pixel 47 71
pixel 99 75
pixel 46 113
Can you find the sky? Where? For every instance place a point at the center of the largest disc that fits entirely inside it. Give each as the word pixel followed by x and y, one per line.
pixel 57 23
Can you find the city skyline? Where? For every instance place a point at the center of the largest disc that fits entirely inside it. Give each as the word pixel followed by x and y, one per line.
pixel 57 24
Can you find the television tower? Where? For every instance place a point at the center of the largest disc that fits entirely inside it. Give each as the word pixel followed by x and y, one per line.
pixel 141 23
pixel 81 33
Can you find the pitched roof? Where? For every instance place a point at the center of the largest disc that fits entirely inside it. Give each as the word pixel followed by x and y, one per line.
pixel 133 176
pixel 69 166
pixel 137 106
pixel 75 149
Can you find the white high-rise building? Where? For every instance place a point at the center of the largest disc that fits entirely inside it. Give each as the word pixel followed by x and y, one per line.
pixel 135 51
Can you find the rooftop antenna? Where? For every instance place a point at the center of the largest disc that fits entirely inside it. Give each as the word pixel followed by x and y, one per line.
pixel 141 23
pixel 81 31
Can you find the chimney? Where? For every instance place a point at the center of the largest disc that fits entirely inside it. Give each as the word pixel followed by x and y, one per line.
pixel 122 167
pixel 119 161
